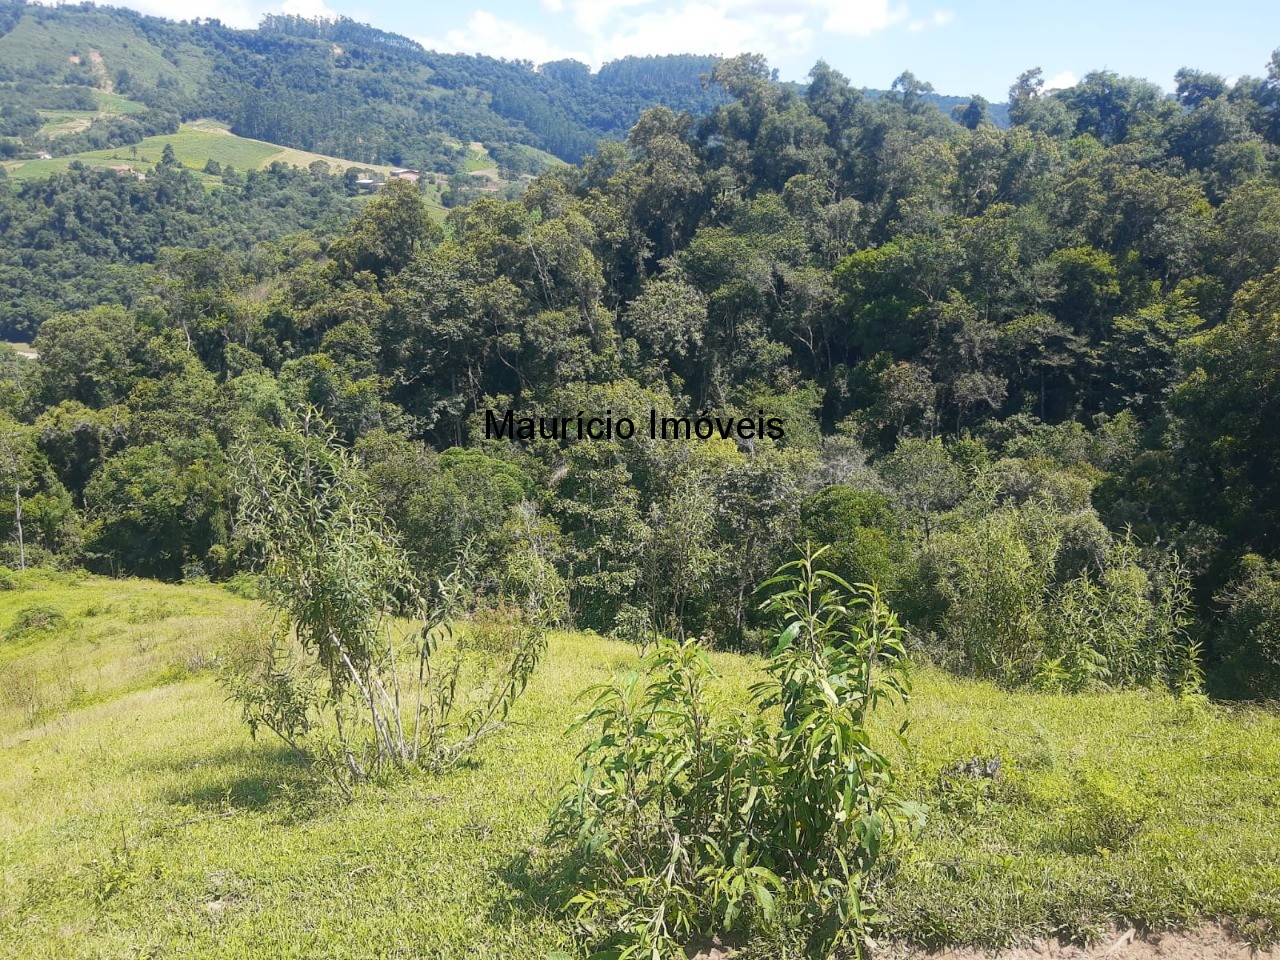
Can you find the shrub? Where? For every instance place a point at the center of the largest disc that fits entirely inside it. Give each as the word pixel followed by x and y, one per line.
pixel 193 571
pixel 1249 634
pixel 35 619
pixel 863 530
pixel 634 625
pixel 7 580
pixel 1013 598
pixel 989 579
pixel 686 825
pixel 340 678
pixel 243 585
pixel 1123 626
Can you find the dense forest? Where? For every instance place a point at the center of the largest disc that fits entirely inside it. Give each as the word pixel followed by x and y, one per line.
pixel 811 522
pixel 90 237
pixel 338 88
pixel 1027 376
pixel 334 87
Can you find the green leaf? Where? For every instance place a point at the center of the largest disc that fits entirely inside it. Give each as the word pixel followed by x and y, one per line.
pixel 788 637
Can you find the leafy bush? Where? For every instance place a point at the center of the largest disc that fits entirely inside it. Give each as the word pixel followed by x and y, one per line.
pixel 340 677
pixel 194 572
pixel 985 583
pixel 7 580
pixel 1249 635
pixel 244 585
pixel 634 625
pixel 686 825
pixel 1123 626
pixel 863 530
pixel 1013 597
pixel 35 619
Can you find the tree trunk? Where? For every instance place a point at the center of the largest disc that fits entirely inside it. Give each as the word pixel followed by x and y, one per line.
pixel 17 513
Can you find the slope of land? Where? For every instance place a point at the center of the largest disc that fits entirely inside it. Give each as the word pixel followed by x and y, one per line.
pixel 91 45
pixel 343 88
pixel 195 144
pixel 61 123
pixel 138 818
pixel 346 89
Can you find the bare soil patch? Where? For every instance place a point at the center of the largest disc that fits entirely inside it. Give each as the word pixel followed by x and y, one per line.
pixel 105 83
pixel 1209 942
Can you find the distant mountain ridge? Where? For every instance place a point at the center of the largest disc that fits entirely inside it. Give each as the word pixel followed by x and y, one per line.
pixel 344 88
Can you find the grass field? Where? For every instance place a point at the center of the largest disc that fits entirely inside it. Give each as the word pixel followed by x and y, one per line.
pixel 479 161
pixel 114 103
pixel 194 145
pixel 100 43
pixel 61 123
pixel 138 818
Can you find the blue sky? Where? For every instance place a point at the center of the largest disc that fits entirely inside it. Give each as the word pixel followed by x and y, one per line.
pixel 961 46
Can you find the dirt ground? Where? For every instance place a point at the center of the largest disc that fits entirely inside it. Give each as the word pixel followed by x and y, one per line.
pixel 1204 943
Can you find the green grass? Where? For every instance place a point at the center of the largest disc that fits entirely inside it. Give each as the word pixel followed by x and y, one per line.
pixel 58 123
pixel 137 817
pixel 1108 806
pixel 194 145
pixel 61 123
pixel 478 160
pixel 44 50
pixel 541 157
pixel 114 103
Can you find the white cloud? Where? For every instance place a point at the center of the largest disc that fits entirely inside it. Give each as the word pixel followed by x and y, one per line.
pixel 702 28
pixel 939 18
pixel 596 31
pixel 1061 81
pixel 594 17
pixel 783 30
pixel 487 34
pixel 861 18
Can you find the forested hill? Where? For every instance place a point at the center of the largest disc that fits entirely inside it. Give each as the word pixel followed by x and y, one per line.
pixel 343 88
pixel 1028 377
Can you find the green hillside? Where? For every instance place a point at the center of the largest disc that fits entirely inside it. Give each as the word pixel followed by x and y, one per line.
pixel 138 817
pixel 95 45
pixel 194 145
pixel 421 106
pixel 62 123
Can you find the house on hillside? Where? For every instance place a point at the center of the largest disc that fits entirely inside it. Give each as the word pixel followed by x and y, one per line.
pixel 411 175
